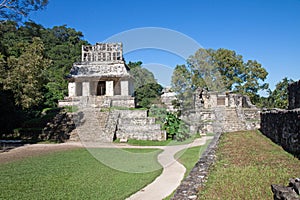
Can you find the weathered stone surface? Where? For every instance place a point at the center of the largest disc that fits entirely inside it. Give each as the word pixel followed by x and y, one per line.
pixel 135 124
pixel 295 184
pixel 294 95
pixel 167 98
pixel 221 112
pixel 284 193
pixel 283 126
pixel 61 127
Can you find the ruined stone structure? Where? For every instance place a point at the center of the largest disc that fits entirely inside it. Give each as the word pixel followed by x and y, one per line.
pixel 215 112
pixel 167 98
pixel 283 126
pixel 101 75
pixel 98 86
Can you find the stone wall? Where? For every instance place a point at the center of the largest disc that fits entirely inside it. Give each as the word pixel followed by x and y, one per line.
pixel 294 95
pixel 189 187
pixel 283 126
pixel 222 119
pixel 98 101
pixel 60 128
pixel 135 124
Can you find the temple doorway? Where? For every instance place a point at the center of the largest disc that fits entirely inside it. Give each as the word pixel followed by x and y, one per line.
pixel 101 88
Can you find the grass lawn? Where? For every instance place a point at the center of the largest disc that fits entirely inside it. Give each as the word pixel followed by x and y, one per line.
pixel 73 174
pixel 190 156
pixel 247 164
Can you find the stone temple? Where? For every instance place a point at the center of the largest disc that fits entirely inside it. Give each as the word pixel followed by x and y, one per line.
pixel 101 77
pixel 101 86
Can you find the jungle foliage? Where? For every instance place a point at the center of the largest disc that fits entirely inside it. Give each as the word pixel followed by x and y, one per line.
pixel 33 63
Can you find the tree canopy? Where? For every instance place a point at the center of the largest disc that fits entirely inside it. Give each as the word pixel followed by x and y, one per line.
pixel 55 49
pixel 33 63
pixel 220 70
pixel 147 90
pixel 278 98
pixel 17 9
pixel 148 94
pixel 26 74
pixel 141 75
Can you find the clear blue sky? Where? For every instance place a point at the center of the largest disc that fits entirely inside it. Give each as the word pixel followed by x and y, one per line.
pixel 264 30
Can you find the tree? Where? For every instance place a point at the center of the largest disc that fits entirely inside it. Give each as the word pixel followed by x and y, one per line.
pixel 229 65
pixel 183 85
pixel 148 94
pixel 17 9
pixel 27 74
pixel 204 71
pixel 253 79
pixel 63 47
pixel 147 90
pixel 141 75
pixel 221 70
pixel 279 97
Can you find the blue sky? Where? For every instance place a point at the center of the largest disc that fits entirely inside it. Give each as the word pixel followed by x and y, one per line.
pixel 264 30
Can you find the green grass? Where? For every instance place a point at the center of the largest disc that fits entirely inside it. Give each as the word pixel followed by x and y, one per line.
pixel 248 163
pixel 73 174
pixel 71 109
pixel 190 156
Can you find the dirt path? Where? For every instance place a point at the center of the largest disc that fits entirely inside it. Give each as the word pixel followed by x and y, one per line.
pixel 35 150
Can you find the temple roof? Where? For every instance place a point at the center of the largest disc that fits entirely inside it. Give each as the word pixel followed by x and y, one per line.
pixel 100 60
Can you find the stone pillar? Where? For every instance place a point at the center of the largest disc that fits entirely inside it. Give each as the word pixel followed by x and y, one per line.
pixel 117 88
pixel 93 88
pixel 72 89
pixel 124 88
pixel 85 88
pixel 109 88
pixel 131 88
pixel 78 89
pixel 226 101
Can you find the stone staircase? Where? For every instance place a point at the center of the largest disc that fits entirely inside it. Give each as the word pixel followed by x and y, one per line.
pixel 98 125
pixel 228 119
pixel 218 122
pixel 93 126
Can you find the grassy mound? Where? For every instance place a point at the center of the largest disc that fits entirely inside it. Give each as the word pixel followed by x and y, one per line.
pixel 247 164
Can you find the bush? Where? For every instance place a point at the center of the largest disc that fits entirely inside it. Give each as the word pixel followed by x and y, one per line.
pixel 175 127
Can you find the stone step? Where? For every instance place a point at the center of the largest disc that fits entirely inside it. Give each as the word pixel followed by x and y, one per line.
pixel 129 127
pixel 141 135
pixel 137 121
pixel 133 114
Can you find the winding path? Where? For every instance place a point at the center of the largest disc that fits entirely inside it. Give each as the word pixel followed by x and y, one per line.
pixel 173 173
